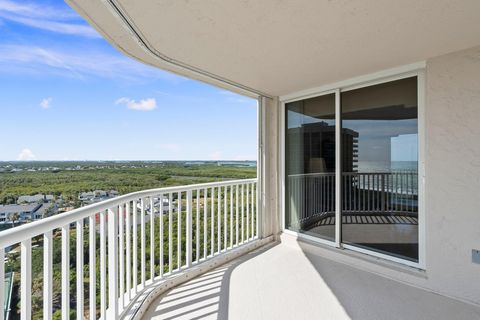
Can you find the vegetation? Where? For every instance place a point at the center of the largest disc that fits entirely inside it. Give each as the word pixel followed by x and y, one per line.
pixel 123 178
pixel 69 183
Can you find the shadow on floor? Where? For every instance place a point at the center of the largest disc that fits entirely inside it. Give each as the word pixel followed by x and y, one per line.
pixel 205 297
pixel 293 282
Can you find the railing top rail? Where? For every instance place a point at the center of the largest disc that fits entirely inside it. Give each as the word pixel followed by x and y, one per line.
pixel 27 231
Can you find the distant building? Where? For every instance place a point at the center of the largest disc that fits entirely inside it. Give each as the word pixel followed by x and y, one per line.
pixel 85 196
pixel 96 196
pixel 36 198
pixel 312 149
pixel 25 212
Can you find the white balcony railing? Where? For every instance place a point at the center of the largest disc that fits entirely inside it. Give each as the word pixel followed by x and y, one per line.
pixel 134 241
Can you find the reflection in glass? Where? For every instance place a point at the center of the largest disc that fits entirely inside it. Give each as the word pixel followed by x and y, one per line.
pixel 310 166
pixel 379 173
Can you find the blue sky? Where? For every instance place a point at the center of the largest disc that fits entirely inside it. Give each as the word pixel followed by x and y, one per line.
pixel 66 94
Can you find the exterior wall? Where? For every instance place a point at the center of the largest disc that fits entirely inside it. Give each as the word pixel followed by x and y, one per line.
pixel 453 173
pixel 270 166
pixel 452 185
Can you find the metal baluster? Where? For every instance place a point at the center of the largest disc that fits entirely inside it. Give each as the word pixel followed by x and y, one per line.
pixel 134 247
pixel 103 268
pixel 219 220
pixel 79 245
pixel 225 218
pixel 248 212
pixel 253 208
pixel 161 235
pixel 242 228
pixel 236 213
pixel 205 213
pixel 121 250
pixel 197 232
pixel 212 222
pixel 152 239
pixel 188 225
pixel 142 242
pixel 92 264
pixel 26 278
pixel 231 216
pixel 128 250
pixel 47 275
pixel 112 263
pixel 179 231
pixel 170 233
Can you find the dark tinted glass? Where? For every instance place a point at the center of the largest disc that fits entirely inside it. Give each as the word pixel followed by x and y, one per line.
pixel 379 168
pixel 310 166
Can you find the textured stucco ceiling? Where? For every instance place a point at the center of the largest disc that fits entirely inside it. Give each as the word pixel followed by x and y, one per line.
pixel 279 47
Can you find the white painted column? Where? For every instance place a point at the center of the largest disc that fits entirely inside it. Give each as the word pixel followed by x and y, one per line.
pixel 269 168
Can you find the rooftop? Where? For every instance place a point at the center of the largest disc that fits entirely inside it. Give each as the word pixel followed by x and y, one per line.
pixel 11 208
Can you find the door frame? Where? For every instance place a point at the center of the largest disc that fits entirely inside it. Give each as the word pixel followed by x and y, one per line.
pixel 416 69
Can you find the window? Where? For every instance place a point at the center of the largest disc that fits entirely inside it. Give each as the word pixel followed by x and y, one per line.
pixel 378 174
pixel 310 163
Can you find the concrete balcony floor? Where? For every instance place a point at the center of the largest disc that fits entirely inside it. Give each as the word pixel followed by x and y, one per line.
pixel 280 281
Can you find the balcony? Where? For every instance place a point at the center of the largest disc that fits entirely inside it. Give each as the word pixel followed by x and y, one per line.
pixel 137 244
pixel 289 280
pixel 196 251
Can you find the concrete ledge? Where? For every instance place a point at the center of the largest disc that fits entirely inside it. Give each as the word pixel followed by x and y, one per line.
pixel 352 258
pixel 139 306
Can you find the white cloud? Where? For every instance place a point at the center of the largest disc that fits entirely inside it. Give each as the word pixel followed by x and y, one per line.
pixel 216 155
pixel 25 155
pixel 31 59
pixel 45 18
pixel 142 105
pixel 38 11
pixel 79 60
pixel 45 103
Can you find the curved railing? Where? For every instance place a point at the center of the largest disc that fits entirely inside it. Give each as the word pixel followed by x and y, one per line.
pixel 128 243
pixel 312 196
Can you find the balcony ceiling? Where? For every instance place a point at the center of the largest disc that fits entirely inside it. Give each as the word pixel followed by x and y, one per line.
pixel 279 47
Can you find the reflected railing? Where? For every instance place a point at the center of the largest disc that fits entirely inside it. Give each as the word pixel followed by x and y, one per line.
pixel 384 195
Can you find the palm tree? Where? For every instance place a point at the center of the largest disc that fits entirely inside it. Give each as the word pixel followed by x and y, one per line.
pixel 14 217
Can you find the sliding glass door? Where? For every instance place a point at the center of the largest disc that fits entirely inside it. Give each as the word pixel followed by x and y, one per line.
pixel 379 180
pixel 310 166
pixel 378 177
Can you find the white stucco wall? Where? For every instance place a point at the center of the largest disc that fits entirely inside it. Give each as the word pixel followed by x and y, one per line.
pixel 452 185
pixel 453 173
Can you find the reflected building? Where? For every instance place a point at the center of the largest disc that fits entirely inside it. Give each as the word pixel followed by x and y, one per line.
pixel 312 149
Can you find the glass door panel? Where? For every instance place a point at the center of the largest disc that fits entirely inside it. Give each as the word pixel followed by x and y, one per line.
pixel 310 166
pixel 380 168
